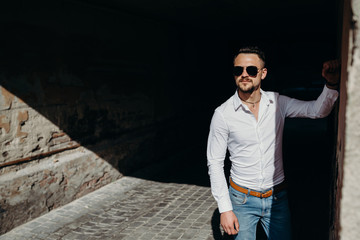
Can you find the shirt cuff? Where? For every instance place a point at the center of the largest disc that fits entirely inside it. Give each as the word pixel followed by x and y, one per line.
pixel 225 205
pixel 333 92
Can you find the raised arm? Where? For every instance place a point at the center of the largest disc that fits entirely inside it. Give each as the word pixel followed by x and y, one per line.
pixel 323 105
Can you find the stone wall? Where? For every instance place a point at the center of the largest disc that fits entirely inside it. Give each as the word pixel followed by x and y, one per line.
pixel 56 180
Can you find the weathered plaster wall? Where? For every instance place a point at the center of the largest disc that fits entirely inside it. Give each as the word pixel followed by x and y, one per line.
pixel 25 133
pixel 350 204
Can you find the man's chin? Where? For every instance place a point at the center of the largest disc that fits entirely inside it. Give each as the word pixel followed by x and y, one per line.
pixel 246 90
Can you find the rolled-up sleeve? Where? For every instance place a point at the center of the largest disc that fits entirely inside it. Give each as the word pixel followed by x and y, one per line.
pixel 216 152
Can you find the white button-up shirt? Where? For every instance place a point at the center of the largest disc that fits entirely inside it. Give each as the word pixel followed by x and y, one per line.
pixel 255 147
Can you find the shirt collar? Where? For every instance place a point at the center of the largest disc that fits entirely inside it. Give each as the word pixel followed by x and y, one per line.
pixel 237 101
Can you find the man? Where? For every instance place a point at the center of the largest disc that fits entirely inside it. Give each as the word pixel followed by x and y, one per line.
pixel 250 125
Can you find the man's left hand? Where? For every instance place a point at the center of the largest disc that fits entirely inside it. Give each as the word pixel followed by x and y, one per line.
pixel 331 72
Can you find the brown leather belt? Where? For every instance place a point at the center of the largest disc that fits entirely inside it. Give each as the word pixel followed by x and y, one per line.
pixel 267 194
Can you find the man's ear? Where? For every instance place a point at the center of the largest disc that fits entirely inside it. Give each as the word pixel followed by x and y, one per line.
pixel 263 73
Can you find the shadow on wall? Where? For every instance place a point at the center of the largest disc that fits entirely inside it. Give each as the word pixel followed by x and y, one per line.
pixel 92 94
pixel 79 109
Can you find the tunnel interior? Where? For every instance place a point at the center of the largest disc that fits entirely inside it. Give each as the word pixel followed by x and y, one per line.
pixel 151 74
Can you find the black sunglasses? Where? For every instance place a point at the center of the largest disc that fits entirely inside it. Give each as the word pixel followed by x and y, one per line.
pixel 251 70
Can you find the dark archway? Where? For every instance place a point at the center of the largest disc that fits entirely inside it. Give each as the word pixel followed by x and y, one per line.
pixel 161 68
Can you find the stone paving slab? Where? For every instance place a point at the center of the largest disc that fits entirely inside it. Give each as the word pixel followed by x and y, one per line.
pixel 130 208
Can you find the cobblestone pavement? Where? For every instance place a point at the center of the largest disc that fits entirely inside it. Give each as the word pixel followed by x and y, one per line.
pixel 130 208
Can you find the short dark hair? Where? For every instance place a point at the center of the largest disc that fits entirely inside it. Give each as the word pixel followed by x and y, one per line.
pixel 252 50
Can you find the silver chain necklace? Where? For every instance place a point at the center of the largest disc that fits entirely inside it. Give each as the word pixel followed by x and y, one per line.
pixel 253 103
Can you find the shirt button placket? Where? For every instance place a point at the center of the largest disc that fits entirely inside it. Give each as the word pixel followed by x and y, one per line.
pixel 258 136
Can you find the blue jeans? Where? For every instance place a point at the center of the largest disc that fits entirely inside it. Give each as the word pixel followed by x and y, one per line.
pixel 272 212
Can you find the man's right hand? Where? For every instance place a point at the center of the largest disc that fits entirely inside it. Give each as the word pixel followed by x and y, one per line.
pixel 229 222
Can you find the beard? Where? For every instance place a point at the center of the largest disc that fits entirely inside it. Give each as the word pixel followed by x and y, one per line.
pixel 244 89
pixel 247 88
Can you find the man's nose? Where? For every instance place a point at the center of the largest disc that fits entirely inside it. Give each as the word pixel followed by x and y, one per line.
pixel 244 73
